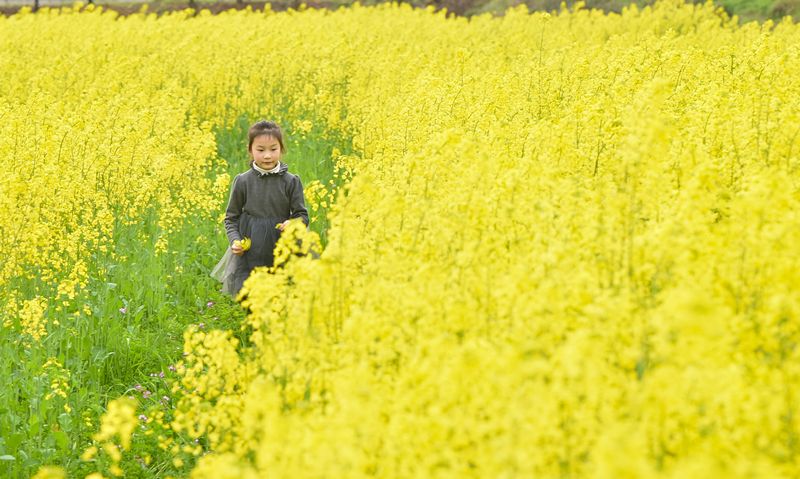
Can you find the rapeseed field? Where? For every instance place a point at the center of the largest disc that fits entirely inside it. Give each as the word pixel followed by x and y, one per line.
pixel 550 245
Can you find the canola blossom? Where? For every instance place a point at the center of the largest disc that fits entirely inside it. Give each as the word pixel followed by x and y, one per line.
pixel 244 243
pixel 564 247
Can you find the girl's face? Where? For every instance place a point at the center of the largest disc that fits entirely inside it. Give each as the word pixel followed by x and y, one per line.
pixel 266 151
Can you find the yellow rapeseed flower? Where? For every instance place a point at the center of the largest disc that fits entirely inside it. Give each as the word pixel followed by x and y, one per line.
pixel 561 244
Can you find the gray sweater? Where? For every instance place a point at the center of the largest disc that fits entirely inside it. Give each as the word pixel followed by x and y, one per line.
pixel 277 196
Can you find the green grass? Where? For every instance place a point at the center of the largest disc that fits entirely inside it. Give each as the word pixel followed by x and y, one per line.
pixel 759 10
pixel 139 311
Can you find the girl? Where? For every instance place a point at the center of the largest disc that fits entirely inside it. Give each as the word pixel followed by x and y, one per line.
pixel 263 200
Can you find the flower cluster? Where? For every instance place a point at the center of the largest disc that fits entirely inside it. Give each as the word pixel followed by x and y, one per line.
pixel 566 245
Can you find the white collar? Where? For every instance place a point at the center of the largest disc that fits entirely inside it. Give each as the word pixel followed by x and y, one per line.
pixel 267 172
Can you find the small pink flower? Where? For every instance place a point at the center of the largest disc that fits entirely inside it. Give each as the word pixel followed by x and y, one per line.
pixel 123 310
pixel 209 304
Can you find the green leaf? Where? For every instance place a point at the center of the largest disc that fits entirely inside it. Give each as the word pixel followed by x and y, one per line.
pixel 7 458
pixel 13 441
pixel 62 440
pixel 34 425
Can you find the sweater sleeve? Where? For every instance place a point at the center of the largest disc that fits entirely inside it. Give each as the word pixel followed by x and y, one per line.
pixel 297 204
pixel 234 210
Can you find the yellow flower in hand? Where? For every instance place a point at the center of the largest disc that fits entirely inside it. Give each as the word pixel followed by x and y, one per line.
pixel 244 243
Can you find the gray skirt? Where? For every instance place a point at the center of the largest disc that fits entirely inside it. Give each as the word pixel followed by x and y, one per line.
pixel 233 270
pixel 223 271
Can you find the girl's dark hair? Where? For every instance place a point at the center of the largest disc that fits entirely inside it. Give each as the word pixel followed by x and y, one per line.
pixel 264 127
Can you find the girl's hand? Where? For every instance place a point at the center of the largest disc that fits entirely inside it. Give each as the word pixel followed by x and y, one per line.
pixel 240 246
pixel 283 225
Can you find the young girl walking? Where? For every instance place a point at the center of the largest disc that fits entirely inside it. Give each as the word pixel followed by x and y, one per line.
pixel 263 200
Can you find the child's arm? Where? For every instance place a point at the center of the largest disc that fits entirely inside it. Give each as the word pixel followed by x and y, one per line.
pixel 297 202
pixel 234 211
